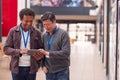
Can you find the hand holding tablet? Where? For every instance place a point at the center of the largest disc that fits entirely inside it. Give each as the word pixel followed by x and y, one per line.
pixel 36 54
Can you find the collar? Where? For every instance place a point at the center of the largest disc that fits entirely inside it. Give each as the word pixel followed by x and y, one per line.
pixel 18 28
pixel 54 31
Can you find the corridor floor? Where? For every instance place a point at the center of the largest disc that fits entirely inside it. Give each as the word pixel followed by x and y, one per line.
pixel 85 64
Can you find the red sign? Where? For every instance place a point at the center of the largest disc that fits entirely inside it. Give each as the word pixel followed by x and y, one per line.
pixel 9 15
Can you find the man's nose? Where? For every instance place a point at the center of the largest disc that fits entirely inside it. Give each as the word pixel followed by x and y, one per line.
pixel 29 23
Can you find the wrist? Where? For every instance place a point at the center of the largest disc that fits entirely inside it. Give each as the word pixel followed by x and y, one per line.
pixel 47 53
pixel 20 53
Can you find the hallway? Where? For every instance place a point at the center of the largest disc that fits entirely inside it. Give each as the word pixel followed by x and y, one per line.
pixel 85 64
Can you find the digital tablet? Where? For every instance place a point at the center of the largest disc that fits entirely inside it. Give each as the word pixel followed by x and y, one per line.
pixel 33 51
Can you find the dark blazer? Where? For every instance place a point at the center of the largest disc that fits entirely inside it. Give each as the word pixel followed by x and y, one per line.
pixel 12 47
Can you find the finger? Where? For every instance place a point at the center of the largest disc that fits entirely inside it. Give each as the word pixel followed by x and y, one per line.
pixel 44 69
pixel 38 56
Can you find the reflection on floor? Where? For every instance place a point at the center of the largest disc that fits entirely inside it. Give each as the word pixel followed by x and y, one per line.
pixel 85 64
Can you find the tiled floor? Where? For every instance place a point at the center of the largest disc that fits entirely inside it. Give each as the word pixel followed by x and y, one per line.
pixel 85 64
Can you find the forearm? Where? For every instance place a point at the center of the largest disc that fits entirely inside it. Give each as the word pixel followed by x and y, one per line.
pixel 11 51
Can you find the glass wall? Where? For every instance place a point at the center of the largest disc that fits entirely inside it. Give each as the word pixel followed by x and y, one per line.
pixel 101 30
pixel 112 40
pixel 82 31
pixel 0 20
pixel 118 65
pixel 79 31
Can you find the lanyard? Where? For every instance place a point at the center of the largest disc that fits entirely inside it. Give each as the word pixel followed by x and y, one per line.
pixel 25 39
pixel 51 38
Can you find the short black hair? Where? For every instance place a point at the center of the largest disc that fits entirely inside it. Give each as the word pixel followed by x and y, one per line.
pixel 48 16
pixel 27 12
